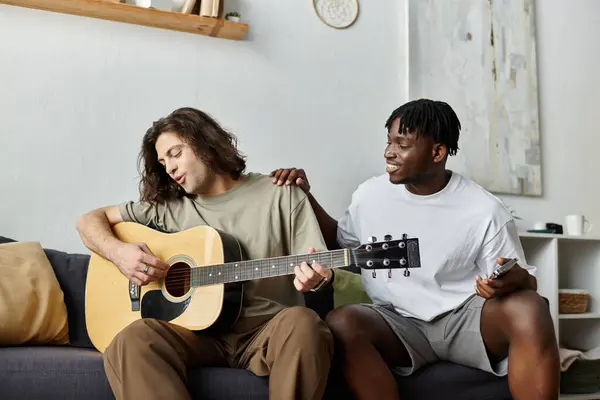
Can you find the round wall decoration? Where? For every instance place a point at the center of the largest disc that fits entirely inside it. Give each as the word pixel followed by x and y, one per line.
pixel 338 14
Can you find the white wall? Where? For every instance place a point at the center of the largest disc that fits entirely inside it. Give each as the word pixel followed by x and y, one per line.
pixel 77 94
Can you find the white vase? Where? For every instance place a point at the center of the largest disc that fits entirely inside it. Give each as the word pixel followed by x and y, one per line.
pixel 234 19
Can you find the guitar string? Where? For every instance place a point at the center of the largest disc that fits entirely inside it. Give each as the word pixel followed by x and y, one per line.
pixel 182 282
pixel 249 266
pixel 199 272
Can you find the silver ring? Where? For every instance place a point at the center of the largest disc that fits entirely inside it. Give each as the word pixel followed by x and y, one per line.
pixel 146 268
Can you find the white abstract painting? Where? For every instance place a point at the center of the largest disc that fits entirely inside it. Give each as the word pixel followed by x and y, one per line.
pixel 479 56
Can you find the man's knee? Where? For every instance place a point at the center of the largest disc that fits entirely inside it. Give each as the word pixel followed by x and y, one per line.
pixel 307 328
pixel 134 337
pixel 346 322
pixel 527 315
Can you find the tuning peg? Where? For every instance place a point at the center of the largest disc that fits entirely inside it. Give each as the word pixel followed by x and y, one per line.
pixel 372 239
pixel 387 238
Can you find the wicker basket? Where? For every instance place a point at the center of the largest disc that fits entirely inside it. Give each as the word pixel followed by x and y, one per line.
pixel 583 376
pixel 571 301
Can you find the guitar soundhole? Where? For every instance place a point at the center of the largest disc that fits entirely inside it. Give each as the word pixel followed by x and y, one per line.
pixel 177 281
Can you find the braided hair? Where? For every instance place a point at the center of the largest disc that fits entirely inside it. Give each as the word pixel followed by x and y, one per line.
pixel 425 117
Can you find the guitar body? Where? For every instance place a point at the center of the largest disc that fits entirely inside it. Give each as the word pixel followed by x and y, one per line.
pixel 112 303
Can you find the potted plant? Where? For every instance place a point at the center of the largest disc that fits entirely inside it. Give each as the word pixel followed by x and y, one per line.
pixel 232 16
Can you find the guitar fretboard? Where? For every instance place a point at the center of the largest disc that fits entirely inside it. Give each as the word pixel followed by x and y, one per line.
pixel 264 268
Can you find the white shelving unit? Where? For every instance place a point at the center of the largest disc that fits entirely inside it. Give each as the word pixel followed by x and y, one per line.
pixel 568 262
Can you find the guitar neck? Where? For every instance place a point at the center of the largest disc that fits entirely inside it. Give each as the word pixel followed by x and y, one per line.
pixel 265 268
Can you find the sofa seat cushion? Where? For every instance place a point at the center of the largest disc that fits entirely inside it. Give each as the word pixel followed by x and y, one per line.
pixel 67 372
pixel 433 382
pixel 45 372
pixel 445 380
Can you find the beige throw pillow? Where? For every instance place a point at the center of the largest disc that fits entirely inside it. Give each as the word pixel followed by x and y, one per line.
pixel 32 308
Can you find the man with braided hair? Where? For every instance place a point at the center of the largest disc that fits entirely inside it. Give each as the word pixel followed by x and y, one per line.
pixel 449 309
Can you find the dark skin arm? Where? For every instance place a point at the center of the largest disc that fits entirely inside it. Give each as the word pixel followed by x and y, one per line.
pixel 328 225
pixel 515 279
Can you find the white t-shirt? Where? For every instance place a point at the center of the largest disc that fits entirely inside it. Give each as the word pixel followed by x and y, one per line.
pixel 462 229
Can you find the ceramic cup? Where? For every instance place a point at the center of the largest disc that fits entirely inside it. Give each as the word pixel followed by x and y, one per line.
pixel 576 225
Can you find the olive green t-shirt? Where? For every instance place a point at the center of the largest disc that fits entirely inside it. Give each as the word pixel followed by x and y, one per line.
pixel 267 220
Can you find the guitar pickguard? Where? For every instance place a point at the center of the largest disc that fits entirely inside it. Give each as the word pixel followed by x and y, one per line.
pixel 155 305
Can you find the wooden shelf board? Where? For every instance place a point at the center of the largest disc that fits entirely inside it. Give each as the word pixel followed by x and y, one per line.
pixel 128 13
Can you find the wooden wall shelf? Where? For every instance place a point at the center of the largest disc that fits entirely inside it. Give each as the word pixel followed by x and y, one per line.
pixel 121 12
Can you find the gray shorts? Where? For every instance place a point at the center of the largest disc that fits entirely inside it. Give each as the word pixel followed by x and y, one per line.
pixel 454 336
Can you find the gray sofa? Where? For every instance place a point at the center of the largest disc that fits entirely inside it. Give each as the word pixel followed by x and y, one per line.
pixel 76 371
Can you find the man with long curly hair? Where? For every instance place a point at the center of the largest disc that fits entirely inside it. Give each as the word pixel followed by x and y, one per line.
pixel 192 174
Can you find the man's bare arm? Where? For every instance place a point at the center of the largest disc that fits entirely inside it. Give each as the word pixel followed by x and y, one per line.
pixel 95 230
pixel 134 260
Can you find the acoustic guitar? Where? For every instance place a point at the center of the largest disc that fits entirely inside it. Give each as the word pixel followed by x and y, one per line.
pixel 203 287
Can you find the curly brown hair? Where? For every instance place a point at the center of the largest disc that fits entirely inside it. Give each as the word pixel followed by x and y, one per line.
pixel 216 147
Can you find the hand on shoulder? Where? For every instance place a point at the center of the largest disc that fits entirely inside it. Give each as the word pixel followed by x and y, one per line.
pixel 291 176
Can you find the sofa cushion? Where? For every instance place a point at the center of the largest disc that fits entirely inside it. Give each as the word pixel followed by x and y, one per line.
pixel 58 372
pixel 4 239
pixel 32 310
pixel 65 372
pixel 71 271
pixel 444 380
pixel 436 381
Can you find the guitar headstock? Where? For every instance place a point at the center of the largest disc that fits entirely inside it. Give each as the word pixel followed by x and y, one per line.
pixel 388 254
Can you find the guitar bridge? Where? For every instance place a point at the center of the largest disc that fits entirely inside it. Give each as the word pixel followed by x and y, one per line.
pixel 134 296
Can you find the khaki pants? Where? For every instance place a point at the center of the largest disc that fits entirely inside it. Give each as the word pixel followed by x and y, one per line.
pixel 149 358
